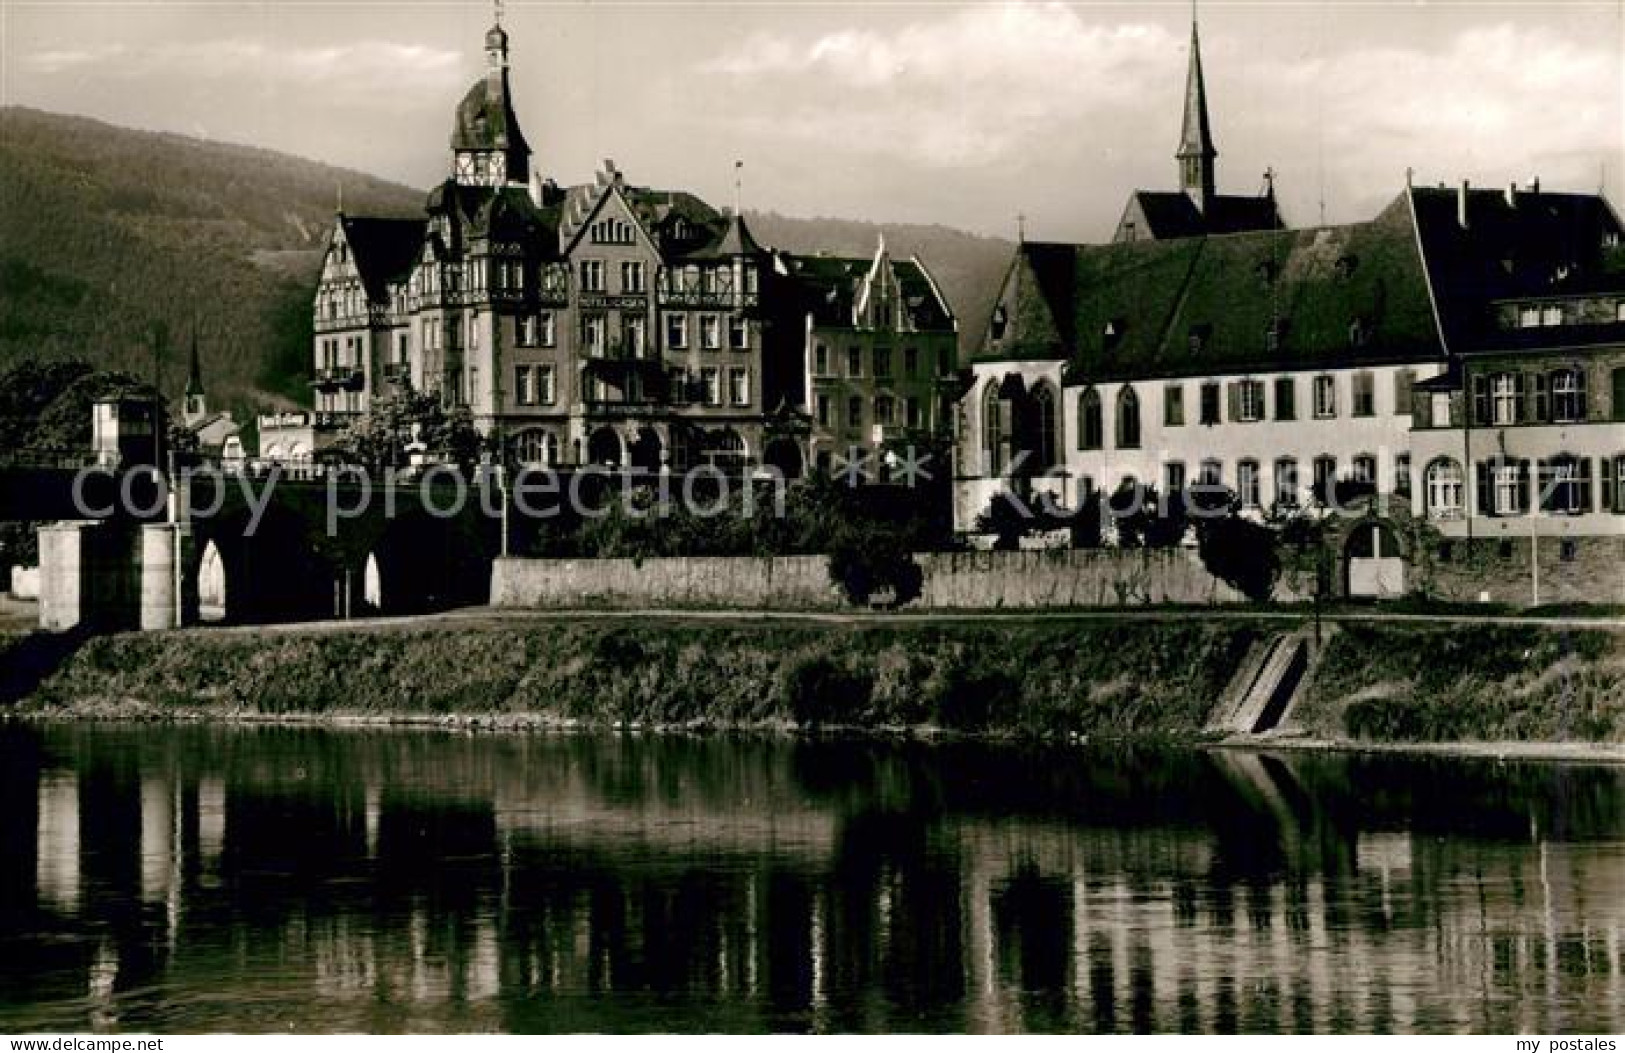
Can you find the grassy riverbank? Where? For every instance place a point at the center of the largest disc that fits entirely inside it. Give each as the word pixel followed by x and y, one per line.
pixel 1376 682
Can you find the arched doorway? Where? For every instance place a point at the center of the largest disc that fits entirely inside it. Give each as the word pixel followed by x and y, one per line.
pixel 604 447
pixel 784 454
pixel 644 454
pixel 211 584
pixel 1373 562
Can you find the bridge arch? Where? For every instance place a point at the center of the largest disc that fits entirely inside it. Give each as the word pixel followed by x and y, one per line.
pixel 421 563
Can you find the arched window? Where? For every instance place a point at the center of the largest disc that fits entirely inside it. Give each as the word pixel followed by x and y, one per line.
pixel 1444 489
pixel 1128 419
pixel 535 446
pixel 1045 448
pixel 1090 430
pixel 994 429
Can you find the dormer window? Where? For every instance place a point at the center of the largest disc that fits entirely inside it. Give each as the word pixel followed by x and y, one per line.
pixel 1111 333
pixel 1359 332
pixel 1201 335
pixel 1551 314
pixel 1001 319
pixel 1272 335
pixel 1528 317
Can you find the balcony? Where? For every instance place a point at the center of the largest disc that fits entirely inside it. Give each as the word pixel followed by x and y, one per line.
pixel 331 378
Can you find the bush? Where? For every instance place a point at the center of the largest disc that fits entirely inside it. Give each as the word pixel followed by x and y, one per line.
pixel 874 565
pixel 819 691
pixel 1240 553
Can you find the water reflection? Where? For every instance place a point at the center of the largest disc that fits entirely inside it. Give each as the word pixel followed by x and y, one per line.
pixel 187 879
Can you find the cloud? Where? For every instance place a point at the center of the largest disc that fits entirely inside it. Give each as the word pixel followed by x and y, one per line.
pixel 1034 101
pixel 354 69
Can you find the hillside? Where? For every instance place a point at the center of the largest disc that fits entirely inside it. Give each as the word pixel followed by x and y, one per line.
pixel 108 235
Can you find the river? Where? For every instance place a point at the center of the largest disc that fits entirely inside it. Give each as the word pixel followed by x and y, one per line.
pixel 189 878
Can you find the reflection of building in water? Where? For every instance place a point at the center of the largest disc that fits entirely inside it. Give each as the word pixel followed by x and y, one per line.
pixel 555 886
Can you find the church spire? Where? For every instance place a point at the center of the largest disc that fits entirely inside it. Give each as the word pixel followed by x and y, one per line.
pixel 1196 153
pixel 193 406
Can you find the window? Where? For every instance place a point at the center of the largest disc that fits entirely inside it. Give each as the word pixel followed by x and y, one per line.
pixel 1247 483
pixel 1210 403
pixel 534 446
pixel 1325 396
pixel 634 334
pixel 822 403
pixel 994 433
pixel 1568 395
pixel 1173 479
pixel 632 276
pixel 1528 317
pixel 1551 314
pixel 1365 469
pixel 1128 419
pixel 1044 427
pixel 1286 398
pixel 739 386
pixel 1286 482
pixel 1365 395
pixel 1619 311
pixel 710 332
pixel 1090 429
pixel 1506 398
pixel 738 333
pixel 1173 405
pixel 912 412
pixel 1565 485
pixel 711 385
pixel 911 362
pixel 1439 409
pixel 1249 400
pixel 1613 484
pixel 1619 393
pixel 546 389
pixel 854 361
pixel 883 362
pixel 821 360
pixel 677 331
pixel 527 331
pixel 1211 473
pixel 524 386
pixel 854 412
pixel 1402 474
pixel 945 360
pixel 1566 550
pixel 1325 476
pixel 592 333
pixel 884 410
pixel 1507 489
pixel 592 275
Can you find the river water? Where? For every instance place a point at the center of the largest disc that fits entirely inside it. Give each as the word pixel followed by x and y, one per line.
pixel 185 879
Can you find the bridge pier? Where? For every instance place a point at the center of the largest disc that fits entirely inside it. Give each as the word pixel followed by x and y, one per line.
pixel 107 575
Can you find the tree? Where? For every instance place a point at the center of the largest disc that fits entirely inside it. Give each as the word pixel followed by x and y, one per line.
pixel 1240 553
pixel 378 439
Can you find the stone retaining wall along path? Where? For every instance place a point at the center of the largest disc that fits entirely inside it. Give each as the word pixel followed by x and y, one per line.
pixel 953 581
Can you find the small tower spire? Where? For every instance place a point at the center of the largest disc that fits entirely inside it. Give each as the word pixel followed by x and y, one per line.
pixel 1196 152
pixel 193 407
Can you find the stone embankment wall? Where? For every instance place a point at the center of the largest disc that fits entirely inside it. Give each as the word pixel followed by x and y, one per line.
pixel 953 581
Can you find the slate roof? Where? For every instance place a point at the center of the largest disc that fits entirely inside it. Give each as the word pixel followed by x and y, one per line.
pixel 1172 214
pixel 1528 244
pixel 383 249
pixel 1333 296
pixel 486 120
pixel 830 286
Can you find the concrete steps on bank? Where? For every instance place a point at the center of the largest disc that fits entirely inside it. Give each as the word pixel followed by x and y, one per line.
pixel 1261 693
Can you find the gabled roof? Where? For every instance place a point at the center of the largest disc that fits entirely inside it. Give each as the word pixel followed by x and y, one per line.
pixel 1325 297
pixel 1523 244
pixel 383 249
pixel 830 287
pixel 1172 214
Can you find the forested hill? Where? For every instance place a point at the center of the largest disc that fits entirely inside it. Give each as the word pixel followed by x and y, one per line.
pixel 108 234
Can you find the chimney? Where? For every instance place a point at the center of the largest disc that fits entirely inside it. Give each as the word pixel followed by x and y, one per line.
pixel 1534 185
pixel 1512 195
pixel 1461 204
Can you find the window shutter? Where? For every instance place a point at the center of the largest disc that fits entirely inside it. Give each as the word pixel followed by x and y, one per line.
pixel 1542 408
pixel 1520 403
pixel 1544 473
pixel 1481 400
pixel 1610 502
pixel 1402 392
pixel 1484 480
pixel 1233 397
pixel 1619 393
pixel 1524 477
pixel 1585 484
pixel 1580 393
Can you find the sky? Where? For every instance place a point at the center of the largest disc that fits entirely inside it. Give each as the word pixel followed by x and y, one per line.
pixel 964 114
